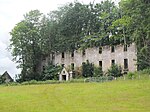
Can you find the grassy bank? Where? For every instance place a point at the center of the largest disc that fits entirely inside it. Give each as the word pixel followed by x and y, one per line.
pixel 115 96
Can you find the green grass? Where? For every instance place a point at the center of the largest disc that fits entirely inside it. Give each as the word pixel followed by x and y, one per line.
pixel 115 96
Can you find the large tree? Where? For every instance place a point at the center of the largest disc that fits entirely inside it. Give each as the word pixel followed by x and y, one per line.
pixel 69 22
pixel 135 18
pixel 99 27
pixel 25 44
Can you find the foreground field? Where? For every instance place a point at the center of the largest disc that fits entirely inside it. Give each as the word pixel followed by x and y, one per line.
pixel 115 96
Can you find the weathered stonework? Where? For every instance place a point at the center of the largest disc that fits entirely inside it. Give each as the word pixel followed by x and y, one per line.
pixel 106 57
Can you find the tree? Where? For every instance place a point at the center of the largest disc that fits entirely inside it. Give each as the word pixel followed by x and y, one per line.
pixel 51 72
pixel 76 25
pixel 138 28
pixel 70 23
pixel 98 30
pixel 25 45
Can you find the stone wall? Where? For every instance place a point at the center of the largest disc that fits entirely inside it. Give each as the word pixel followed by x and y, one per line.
pixel 93 55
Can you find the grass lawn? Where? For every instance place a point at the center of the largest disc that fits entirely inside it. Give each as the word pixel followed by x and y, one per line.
pixel 115 96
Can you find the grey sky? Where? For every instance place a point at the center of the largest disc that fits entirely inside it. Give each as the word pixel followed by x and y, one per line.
pixel 11 12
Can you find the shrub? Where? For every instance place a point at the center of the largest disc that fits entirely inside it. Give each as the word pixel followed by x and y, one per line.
pixel 110 78
pixel 51 72
pixel 114 70
pixel 146 71
pixel 33 82
pixel 87 69
pixel 131 75
pixel 98 71
pixel 25 83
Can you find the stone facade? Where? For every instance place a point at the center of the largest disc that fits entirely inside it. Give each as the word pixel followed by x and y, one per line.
pixel 124 56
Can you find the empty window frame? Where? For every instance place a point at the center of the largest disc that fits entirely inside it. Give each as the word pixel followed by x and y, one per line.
pixel 100 50
pixel 112 62
pixel 63 55
pixel 53 55
pixel 100 63
pixel 72 66
pixel 43 68
pixel 125 64
pixel 125 48
pixel 112 49
pixel 83 52
pixel 72 54
pixel 62 65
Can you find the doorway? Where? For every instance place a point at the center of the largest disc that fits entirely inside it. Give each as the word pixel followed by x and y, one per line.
pixel 63 77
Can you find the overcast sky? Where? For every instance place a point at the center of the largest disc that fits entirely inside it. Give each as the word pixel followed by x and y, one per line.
pixel 11 12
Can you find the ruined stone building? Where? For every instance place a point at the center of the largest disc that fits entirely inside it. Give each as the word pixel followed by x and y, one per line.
pixel 123 55
pixel 7 78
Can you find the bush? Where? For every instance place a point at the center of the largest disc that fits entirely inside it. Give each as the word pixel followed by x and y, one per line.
pixel 87 69
pixel 98 72
pixel 110 78
pixel 51 72
pixel 131 75
pixel 146 71
pixel 114 71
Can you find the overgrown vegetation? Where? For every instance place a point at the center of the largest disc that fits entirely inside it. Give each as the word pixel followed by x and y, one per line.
pixel 98 71
pixel 131 75
pixel 89 70
pixel 140 75
pixel 76 25
pixel 51 72
pixel 2 80
pixel 115 70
